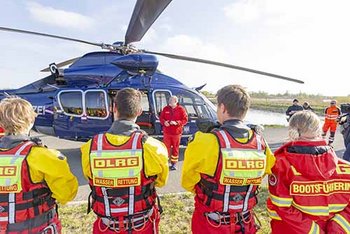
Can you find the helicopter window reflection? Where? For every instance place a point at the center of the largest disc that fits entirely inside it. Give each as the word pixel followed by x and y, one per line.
pixel 72 102
pixel 194 105
pixel 95 103
pixel 161 100
pixel 144 102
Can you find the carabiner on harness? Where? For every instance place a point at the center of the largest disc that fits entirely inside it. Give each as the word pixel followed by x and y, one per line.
pixel 219 219
pixel 142 227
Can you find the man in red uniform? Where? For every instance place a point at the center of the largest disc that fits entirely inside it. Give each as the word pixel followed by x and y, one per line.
pixel 225 167
pixel 310 187
pixel 330 122
pixel 173 118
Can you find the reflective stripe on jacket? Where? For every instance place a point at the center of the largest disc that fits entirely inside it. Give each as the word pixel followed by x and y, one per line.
pixel 332 113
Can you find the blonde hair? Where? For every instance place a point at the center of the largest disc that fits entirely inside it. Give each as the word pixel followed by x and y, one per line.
pixel 304 125
pixel 16 115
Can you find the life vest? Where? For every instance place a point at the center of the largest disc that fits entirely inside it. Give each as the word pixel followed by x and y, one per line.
pixel 332 113
pixel 238 174
pixel 119 184
pixel 25 207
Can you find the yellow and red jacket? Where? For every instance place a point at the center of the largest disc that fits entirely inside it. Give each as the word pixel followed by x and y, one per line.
pixel 116 196
pixel 27 193
pixel 332 113
pixel 202 171
pixel 309 189
pixel 177 114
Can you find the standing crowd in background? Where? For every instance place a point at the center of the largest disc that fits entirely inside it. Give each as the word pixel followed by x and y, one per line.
pixel 223 167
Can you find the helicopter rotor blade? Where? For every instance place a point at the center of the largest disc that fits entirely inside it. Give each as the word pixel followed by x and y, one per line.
pixel 143 16
pixel 62 64
pixel 50 35
pixel 198 60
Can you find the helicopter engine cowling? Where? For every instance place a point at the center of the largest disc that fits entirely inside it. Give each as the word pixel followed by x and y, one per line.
pixel 137 63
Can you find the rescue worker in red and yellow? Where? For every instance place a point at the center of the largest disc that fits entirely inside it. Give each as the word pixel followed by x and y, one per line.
pixel 123 167
pixel 32 178
pixel 225 167
pixel 330 122
pixel 310 187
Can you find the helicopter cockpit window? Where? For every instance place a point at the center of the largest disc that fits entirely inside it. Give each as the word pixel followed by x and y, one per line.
pixel 194 105
pixel 96 104
pixel 72 102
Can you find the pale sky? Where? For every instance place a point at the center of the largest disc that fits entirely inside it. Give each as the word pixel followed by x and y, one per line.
pixel 307 40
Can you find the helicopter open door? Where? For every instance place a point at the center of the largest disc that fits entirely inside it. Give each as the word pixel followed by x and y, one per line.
pixel 81 114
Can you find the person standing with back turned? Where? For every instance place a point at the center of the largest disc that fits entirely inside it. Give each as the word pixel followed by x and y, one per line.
pixel 32 178
pixel 224 168
pixel 309 188
pixel 123 167
pixel 173 118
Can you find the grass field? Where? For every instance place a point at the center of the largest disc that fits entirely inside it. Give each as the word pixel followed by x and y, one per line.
pixel 279 103
pixel 176 218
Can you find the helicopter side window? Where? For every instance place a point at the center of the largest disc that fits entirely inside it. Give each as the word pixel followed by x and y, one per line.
pixel 161 98
pixel 72 102
pixel 145 119
pixel 96 104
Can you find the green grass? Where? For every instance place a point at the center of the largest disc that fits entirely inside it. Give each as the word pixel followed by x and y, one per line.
pixel 273 126
pixel 176 218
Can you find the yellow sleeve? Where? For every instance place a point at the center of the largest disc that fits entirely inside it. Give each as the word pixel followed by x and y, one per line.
pixel 156 160
pixel 85 159
pixel 270 159
pixel 201 156
pixel 51 166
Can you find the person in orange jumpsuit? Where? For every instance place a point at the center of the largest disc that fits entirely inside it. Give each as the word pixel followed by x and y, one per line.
pixel 224 169
pixel 173 117
pixel 33 178
pixel 309 190
pixel 330 122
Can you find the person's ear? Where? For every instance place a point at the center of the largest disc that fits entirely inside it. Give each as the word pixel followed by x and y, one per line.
pixel 222 108
pixel 139 112
pixel 115 110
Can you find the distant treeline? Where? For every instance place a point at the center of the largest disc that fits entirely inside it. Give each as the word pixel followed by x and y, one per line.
pixel 280 102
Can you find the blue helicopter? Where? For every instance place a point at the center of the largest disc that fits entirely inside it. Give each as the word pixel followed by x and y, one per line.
pixel 76 103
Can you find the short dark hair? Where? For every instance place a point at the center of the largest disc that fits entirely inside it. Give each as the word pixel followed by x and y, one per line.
pixel 235 98
pixel 128 103
pixel 295 100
